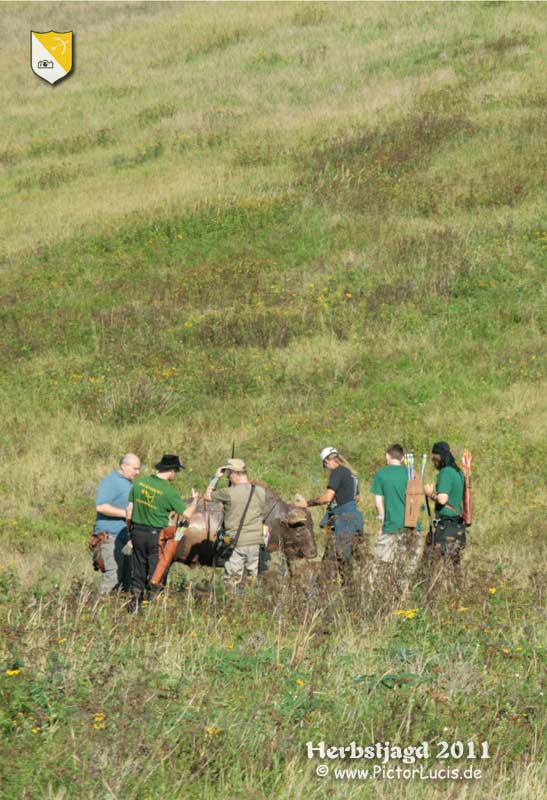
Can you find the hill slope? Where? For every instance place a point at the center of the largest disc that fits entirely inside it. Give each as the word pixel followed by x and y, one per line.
pixel 284 225
pixel 321 248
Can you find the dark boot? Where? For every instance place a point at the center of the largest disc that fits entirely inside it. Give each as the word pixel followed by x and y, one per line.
pixel 134 604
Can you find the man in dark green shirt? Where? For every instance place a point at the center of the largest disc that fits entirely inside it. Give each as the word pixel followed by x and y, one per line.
pixel 448 496
pixel 151 500
pixel 398 549
pixel 389 490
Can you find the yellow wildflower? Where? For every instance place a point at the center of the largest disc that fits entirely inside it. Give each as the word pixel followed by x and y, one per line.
pixel 300 682
pixel 492 590
pixel 407 613
pixel 36 730
pixel 61 640
pixel 13 671
pixel 463 608
pixel 213 730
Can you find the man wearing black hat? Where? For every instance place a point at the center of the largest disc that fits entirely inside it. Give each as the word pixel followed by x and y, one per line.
pixel 448 496
pixel 151 500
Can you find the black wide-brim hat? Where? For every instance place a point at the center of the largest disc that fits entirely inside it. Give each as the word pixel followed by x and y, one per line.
pixel 168 462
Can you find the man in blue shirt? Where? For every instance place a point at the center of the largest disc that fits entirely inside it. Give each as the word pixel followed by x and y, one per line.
pixel 111 503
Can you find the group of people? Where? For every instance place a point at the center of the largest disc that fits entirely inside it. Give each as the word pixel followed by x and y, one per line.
pixel 132 510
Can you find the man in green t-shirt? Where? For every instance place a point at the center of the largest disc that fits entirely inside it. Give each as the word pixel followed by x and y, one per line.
pixel 448 496
pixel 396 546
pixel 151 501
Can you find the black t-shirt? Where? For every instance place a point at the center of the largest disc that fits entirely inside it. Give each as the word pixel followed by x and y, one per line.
pixel 344 484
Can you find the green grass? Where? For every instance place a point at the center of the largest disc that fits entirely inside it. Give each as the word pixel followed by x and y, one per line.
pixel 288 225
pixel 203 697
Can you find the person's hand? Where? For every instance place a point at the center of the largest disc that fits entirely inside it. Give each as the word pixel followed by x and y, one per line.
pixel 429 489
pixel 219 473
pixel 300 501
pixel 195 496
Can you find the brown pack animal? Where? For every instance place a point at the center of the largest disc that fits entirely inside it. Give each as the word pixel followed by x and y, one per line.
pixel 290 530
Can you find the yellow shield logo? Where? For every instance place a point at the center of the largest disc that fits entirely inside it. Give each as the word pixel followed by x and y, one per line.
pixel 51 55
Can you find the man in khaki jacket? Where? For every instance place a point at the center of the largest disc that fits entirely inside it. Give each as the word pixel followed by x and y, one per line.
pixel 242 502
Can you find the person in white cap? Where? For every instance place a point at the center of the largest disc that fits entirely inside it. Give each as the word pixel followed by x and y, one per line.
pixel 243 514
pixel 342 516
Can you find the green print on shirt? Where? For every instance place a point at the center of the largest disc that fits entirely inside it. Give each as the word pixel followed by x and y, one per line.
pixel 154 499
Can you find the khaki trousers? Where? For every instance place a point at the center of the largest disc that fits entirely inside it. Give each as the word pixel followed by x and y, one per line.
pixel 117 566
pixel 243 559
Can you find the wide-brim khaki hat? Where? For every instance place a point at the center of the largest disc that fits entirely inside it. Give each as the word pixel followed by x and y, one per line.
pixel 235 465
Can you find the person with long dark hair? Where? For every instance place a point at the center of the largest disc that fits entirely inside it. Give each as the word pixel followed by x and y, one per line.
pixel 447 493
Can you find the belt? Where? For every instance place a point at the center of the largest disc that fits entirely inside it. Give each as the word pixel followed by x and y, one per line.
pixel 458 520
pixel 153 528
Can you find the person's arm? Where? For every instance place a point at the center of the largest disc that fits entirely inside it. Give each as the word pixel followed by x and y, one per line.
pixel 439 497
pixel 380 510
pixel 190 510
pixel 212 484
pixel 326 497
pixel 110 511
pixel 102 500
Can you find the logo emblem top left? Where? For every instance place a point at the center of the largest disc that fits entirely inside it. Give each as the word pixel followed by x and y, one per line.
pixel 51 55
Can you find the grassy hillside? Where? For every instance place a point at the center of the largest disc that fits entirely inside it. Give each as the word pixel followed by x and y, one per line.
pixel 287 225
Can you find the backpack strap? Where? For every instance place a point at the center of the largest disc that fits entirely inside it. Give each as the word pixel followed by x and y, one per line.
pixel 455 510
pixel 253 487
